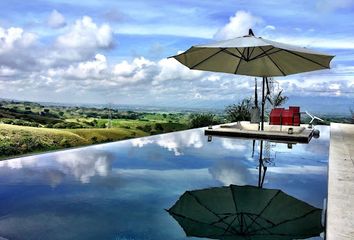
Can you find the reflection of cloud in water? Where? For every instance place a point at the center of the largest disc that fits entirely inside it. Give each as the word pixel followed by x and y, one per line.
pixel 237 172
pixel 19 163
pixel 240 147
pixel 173 142
pixel 81 164
pixel 298 170
pixel 83 167
pixel 141 142
pixel 227 172
pixel 320 146
pixel 145 181
pixel 231 144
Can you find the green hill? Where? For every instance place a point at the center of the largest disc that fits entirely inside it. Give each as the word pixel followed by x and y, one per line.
pixel 20 140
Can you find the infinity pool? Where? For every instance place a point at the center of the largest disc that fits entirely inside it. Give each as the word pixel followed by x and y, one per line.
pixel 120 190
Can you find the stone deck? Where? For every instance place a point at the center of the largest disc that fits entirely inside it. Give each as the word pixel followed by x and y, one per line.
pixel 340 206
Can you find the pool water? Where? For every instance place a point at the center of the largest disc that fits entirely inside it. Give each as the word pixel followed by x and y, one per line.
pixel 120 190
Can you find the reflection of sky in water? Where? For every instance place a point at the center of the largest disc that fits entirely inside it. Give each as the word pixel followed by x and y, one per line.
pixel 120 190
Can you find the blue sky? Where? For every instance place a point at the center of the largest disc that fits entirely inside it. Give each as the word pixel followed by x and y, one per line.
pixel 116 51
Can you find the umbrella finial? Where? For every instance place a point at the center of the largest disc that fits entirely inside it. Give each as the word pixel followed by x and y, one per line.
pixel 250 32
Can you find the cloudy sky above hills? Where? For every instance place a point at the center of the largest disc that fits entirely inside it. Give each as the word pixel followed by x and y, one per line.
pixel 116 51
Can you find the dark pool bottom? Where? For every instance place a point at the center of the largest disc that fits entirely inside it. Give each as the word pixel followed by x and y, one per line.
pixel 121 190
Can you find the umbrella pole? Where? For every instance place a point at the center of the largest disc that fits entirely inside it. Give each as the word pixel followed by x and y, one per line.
pixel 260 164
pixel 263 102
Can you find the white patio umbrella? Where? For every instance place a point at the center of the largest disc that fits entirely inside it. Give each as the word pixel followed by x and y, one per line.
pixel 253 56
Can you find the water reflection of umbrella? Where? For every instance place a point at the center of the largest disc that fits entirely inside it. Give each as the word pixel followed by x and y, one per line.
pixel 245 212
pixel 253 56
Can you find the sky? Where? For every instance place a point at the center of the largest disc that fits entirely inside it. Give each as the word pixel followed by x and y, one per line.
pixel 117 51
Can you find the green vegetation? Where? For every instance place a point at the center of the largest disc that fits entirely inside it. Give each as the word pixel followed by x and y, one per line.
pixel 204 119
pixel 278 99
pixel 16 140
pixel 27 127
pixel 240 111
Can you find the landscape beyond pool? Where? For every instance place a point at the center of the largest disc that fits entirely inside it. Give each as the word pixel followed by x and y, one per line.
pixel 120 190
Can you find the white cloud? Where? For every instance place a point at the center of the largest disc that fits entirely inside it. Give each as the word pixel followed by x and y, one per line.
pixel 15 38
pixel 7 72
pixel 79 42
pixel 315 41
pixel 238 25
pixel 170 69
pixel 73 55
pixel 164 81
pixel 17 52
pixel 84 33
pixel 270 27
pixel 140 70
pixel 212 78
pixel 85 70
pixel 56 20
pixel 68 56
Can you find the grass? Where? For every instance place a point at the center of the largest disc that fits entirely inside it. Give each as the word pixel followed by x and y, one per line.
pixel 20 140
pixel 27 127
pixel 96 135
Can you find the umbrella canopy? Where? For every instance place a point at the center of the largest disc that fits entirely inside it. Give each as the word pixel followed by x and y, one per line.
pixel 253 56
pixel 245 212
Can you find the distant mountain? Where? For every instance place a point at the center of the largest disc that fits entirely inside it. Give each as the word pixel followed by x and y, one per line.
pixel 339 106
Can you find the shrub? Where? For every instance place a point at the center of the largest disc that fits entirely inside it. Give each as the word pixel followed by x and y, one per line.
pixel 94 139
pixel 240 111
pixel 67 125
pixel 145 128
pixel 158 127
pixel 101 124
pixel 65 143
pixel 202 120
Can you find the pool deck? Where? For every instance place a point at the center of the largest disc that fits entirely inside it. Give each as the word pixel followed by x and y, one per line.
pixel 302 137
pixel 340 206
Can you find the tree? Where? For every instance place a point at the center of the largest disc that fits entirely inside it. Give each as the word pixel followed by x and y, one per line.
pixel 240 111
pixel 202 120
pixel 158 126
pixel 278 99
